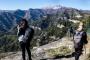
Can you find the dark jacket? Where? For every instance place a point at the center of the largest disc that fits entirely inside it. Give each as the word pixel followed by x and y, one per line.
pixel 83 39
pixel 27 34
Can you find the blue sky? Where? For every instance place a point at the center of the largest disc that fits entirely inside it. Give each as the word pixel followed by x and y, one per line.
pixel 26 4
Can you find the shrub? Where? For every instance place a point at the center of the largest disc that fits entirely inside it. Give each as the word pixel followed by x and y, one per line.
pixel 8 43
pixel 61 51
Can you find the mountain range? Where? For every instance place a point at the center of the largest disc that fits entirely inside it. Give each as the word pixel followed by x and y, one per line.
pixel 10 18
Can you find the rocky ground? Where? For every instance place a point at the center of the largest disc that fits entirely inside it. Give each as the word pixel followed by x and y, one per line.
pixel 39 52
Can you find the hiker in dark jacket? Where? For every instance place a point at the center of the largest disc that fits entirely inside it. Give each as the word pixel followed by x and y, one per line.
pixel 71 30
pixel 80 39
pixel 25 34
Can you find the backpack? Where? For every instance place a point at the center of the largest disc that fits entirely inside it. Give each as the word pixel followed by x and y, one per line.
pixel 31 33
pixel 78 39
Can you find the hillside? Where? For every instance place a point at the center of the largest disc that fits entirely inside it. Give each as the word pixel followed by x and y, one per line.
pixel 9 19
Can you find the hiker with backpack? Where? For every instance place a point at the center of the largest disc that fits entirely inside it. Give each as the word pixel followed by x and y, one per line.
pixel 25 35
pixel 80 39
pixel 71 30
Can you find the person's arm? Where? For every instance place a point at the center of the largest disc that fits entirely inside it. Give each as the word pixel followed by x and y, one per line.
pixel 85 38
pixel 18 30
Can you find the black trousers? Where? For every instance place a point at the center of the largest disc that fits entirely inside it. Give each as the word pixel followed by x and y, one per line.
pixel 24 47
pixel 78 52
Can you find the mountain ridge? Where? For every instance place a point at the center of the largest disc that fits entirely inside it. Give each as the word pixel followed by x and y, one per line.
pixel 9 18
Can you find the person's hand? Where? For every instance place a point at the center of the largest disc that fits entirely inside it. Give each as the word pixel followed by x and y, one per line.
pixel 18 28
pixel 20 38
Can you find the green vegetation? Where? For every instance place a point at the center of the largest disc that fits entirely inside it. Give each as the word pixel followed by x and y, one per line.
pixel 8 43
pixel 61 51
pixel 55 31
pixel 86 21
pixel 88 31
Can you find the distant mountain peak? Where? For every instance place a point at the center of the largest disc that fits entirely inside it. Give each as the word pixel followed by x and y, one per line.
pixel 53 7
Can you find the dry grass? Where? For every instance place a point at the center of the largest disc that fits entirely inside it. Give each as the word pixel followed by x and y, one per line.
pixel 61 51
pixel 2 55
pixel 88 46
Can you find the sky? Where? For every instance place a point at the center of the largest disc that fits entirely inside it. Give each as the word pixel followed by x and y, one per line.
pixel 26 4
